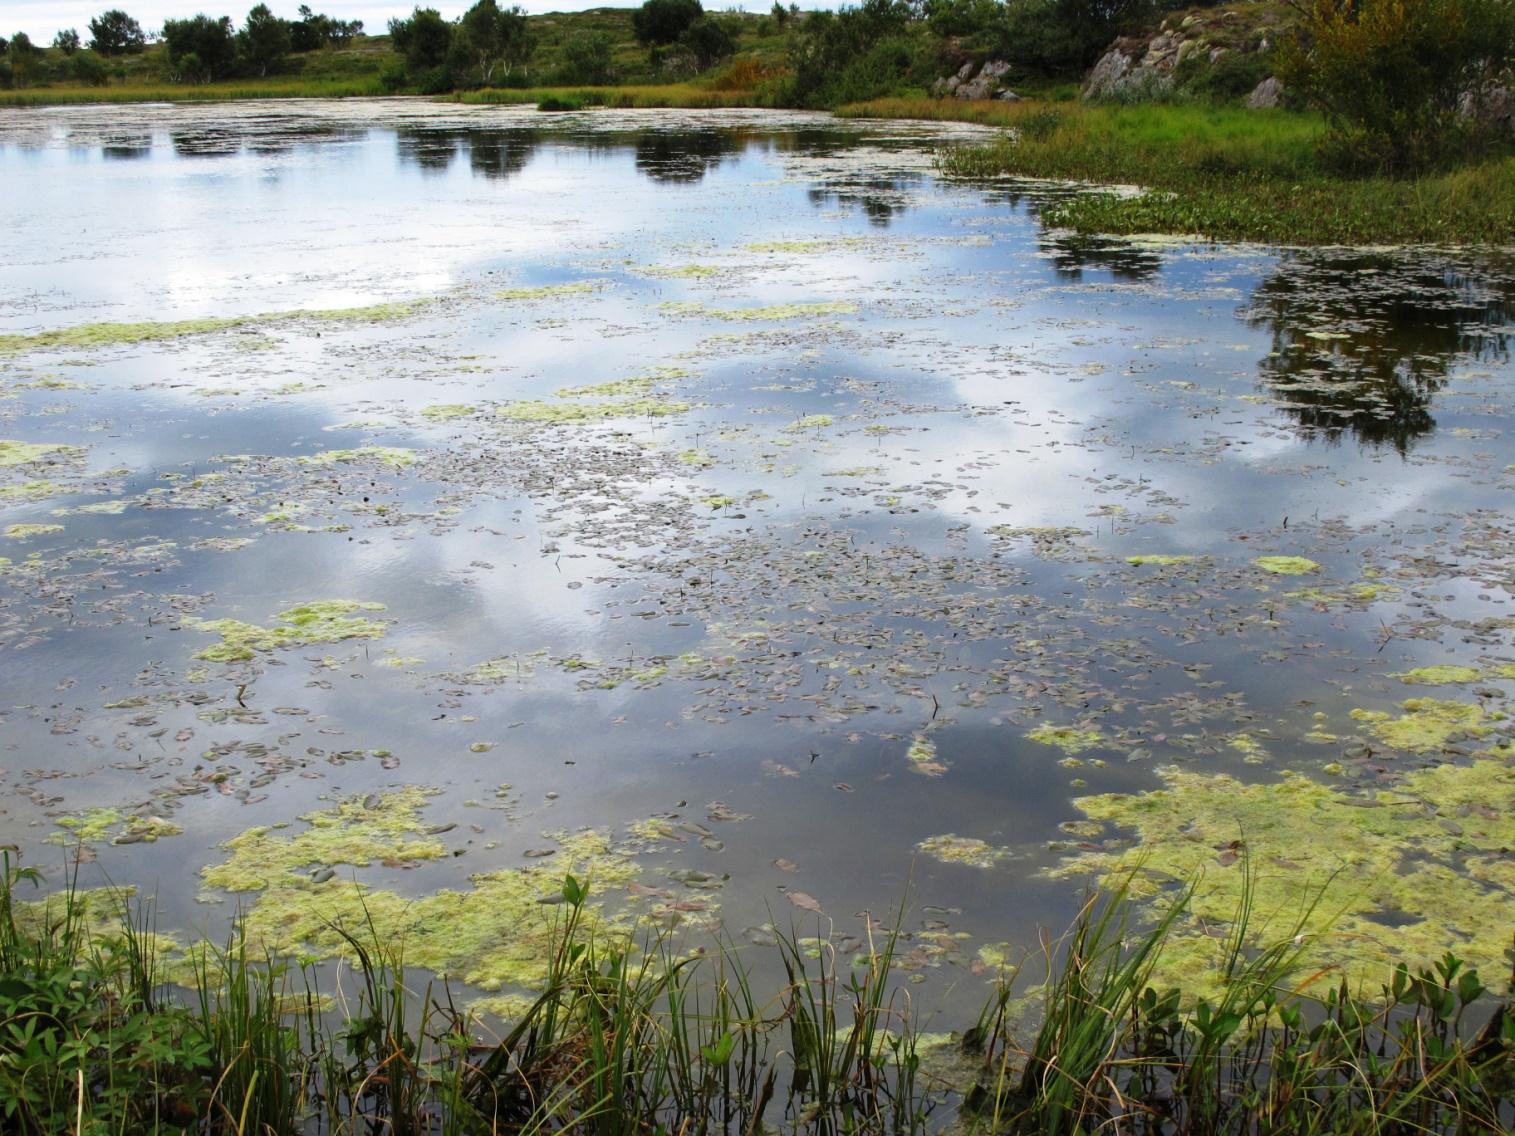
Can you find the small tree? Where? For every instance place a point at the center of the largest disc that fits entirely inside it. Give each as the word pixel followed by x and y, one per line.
pixel 490 37
pixel 658 23
pixel 424 39
pixel 67 41
pixel 264 40
pixel 200 49
pixel 1390 75
pixel 89 69
pixel 116 33
pixel 23 58
pixel 586 59
pixel 708 41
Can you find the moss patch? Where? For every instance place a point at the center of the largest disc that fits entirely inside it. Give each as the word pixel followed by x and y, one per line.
pixel 441 412
pixel 1408 873
pixel 323 621
pixel 94 826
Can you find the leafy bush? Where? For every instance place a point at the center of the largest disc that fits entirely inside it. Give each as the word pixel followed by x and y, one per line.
pixel 1228 78
pixel 586 59
pixel 1389 75
pixel 660 22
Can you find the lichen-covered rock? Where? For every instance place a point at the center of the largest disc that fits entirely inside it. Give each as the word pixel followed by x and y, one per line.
pixel 1492 107
pixel 1266 95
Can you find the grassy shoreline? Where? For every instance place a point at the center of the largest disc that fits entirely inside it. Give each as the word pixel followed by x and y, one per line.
pixel 1220 172
pixel 642 1034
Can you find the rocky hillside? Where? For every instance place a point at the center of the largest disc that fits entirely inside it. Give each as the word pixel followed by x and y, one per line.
pixel 1216 51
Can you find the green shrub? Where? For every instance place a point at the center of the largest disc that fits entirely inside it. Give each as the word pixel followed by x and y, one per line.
pixel 1389 74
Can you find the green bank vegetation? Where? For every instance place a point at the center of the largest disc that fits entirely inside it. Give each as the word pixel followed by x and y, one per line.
pixel 633 1032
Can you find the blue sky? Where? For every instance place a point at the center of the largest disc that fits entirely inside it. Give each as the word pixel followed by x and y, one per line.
pixel 42 19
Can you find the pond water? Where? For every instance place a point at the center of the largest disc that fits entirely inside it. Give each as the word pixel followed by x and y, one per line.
pixel 727 508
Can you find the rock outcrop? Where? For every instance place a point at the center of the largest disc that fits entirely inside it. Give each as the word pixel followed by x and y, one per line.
pixel 972 81
pixel 1180 49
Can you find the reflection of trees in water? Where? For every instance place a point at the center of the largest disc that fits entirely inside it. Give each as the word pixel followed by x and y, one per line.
pixel 684 156
pixel 1072 254
pixel 126 148
pixel 494 154
pixel 216 143
pixel 1361 344
pixel 880 199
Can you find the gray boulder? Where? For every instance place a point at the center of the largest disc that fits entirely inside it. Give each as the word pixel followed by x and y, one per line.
pixel 1266 95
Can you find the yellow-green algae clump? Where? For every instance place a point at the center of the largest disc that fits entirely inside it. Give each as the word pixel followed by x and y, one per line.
pixel 1286 565
pixel 1427 724
pixel 1161 559
pixel 967 850
pixel 1439 675
pixel 565 413
pixel 23 532
pixel 93 826
pixel 322 621
pixel 1069 739
pixel 496 933
pixel 1401 874
pixel 396 457
pixel 26 453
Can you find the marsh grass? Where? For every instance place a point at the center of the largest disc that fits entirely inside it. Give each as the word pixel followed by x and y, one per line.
pixel 1219 172
pixel 676 96
pixel 639 1034
pixel 286 87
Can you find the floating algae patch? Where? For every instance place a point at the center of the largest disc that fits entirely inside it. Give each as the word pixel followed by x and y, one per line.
pixel 379 828
pixel 967 850
pixel 24 532
pixel 323 621
pixel 30 491
pixel 681 272
pixel 821 244
pixel 566 413
pixel 495 934
pixel 95 826
pixel 810 422
pixel 700 459
pixel 771 312
pixel 1160 559
pixel 369 313
pixel 633 387
pixel 1069 739
pixel 441 412
pixel 547 291
pixel 396 457
pixel 1441 675
pixel 1427 724
pixel 1286 565
pixel 92 335
pixel 28 453
pixel 1400 874
pixel 923 758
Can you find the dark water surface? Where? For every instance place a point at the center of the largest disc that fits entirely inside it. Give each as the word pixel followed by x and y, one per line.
pixel 841 570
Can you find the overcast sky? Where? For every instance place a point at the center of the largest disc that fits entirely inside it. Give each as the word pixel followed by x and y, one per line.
pixel 42 19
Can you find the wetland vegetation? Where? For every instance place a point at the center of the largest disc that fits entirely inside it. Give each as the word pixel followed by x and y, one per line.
pixel 667 667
